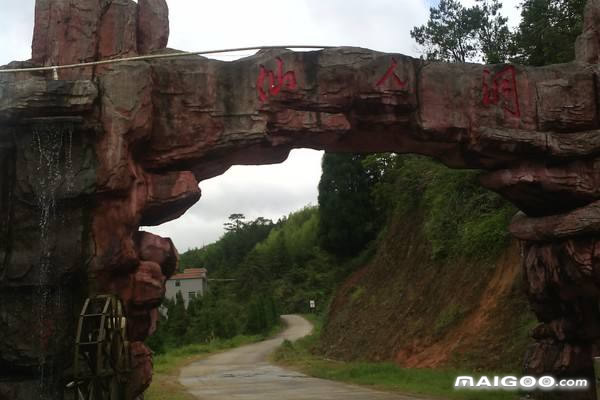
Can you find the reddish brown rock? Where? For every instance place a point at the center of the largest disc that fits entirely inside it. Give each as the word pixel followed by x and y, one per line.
pixel 141 365
pixel 148 285
pixel 118 30
pixel 564 357
pixel 494 142
pixel 541 188
pixel 142 321
pixel 142 291
pixel 154 317
pixel 159 250
pixel 153 25
pixel 587 46
pixel 74 31
pixel 66 32
pixel 567 103
pixel 147 132
pixel 558 329
pixel 169 196
pixel 579 222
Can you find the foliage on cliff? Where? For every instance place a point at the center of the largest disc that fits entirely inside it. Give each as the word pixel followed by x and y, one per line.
pixel 426 305
pixel 460 218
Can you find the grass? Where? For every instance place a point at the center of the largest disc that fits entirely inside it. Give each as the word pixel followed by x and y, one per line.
pixel 165 384
pixel 383 376
pixel 450 315
pixel 167 387
pixel 357 293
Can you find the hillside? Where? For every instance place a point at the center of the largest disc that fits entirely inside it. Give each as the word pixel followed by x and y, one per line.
pixel 404 306
pixel 413 260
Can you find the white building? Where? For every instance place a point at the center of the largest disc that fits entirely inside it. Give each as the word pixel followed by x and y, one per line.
pixel 191 283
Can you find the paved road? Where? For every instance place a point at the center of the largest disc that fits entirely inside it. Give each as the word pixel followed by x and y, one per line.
pixel 245 374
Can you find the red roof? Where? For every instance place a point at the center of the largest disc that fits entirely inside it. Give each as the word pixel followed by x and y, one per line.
pixel 190 273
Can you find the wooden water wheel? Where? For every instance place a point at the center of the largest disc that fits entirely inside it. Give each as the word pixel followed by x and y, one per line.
pixel 101 363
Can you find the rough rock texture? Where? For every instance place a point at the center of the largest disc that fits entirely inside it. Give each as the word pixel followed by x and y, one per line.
pixel 587 46
pixel 153 25
pixel 126 145
pixel 74 31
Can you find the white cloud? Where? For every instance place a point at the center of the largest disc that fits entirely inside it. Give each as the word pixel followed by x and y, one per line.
pixel 376 24
pixel 16 30
pixel 510 9
pixel 269 191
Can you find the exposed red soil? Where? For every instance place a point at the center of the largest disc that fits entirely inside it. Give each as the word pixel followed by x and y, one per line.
pixel 404 307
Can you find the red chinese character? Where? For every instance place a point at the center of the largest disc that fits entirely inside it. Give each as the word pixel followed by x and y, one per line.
pixel 501 89
pixel 275 81
pixel 390 74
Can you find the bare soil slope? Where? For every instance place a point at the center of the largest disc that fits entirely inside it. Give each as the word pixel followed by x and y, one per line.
pixel 405 307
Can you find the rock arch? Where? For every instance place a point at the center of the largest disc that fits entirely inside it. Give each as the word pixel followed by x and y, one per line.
pixel 88 158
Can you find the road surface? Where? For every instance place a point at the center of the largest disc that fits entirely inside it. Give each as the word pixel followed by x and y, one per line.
pixel 245 374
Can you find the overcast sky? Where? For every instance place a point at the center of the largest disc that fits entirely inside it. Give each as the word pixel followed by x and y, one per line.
pixel 269 191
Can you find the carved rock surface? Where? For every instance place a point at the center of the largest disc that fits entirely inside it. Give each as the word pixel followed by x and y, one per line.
pixel 153 25
pixel 125 145
pixel 141 362
pixel 579 222
pixel 158 250
pixel 35 97
pixel 118 30
pixel 66 32
pixel 587 46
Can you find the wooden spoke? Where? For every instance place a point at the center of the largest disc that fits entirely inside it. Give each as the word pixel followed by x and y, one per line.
pixel 101 363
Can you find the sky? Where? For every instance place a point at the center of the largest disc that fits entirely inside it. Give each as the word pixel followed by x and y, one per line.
pixel 270 191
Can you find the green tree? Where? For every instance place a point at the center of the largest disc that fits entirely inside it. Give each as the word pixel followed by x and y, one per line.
pixel 547 32
pixel 262 314
pixel 493 36
pixel 200 328
pixel 347 216
pixel 383 170
pixel 157 341
pixel 177 320
pixel 223 257
pixel 235 223
pixel 458 34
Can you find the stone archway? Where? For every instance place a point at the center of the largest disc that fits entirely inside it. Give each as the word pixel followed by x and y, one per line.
pixel 124 145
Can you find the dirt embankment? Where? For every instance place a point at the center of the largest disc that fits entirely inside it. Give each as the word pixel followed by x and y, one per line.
pixel 404 307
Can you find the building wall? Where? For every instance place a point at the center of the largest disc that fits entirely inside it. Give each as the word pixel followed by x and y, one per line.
pixel 196 285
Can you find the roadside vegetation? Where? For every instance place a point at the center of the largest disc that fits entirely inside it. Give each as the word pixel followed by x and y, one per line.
pixel 209 320
pixel 210 324
pixel 303 355
pixel 165 384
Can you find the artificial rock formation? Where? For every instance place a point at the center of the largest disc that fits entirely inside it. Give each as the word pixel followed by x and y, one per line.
pixel 89 158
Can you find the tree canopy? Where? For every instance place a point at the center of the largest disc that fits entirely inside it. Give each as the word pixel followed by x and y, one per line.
pixel 548 30
pixel 347 214
pixel 459 34
pixel 545 35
